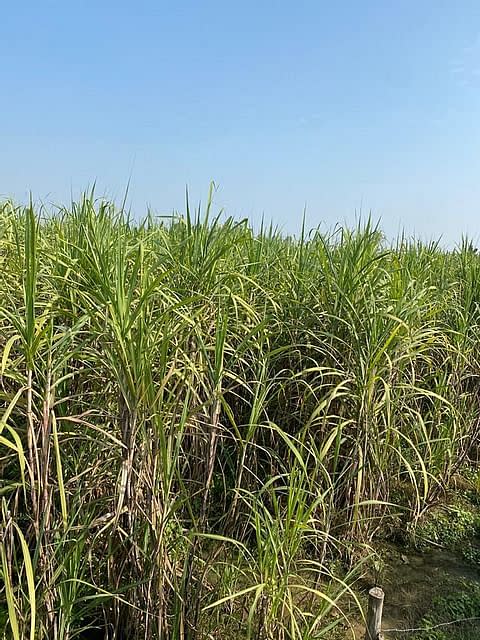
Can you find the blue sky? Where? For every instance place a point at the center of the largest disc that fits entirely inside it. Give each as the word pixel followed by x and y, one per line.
pixel 339 107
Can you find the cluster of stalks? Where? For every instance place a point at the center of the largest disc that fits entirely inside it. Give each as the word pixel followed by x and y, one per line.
pixel 200 425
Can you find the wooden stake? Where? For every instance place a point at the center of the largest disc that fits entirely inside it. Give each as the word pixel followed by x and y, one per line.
pixel 374 615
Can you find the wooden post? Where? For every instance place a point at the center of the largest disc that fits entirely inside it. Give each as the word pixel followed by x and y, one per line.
pixel 374 615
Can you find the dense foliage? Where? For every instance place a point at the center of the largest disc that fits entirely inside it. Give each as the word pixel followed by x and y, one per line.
pixel 201 424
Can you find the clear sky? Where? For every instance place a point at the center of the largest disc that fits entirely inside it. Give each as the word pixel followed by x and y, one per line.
pixel 340 106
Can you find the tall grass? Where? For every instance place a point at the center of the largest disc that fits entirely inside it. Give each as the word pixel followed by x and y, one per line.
pixel 199 422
